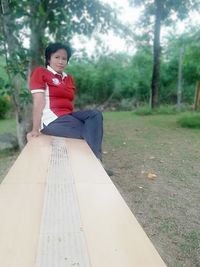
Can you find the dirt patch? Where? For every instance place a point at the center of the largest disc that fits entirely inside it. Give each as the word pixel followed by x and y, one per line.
pixel 157 171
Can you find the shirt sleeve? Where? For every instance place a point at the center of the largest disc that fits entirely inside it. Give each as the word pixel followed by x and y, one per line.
pixel 37 80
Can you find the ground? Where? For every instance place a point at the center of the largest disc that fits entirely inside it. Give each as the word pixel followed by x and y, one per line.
pixel 157 171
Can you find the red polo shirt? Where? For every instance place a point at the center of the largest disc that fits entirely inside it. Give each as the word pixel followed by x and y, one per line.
pixel 58 89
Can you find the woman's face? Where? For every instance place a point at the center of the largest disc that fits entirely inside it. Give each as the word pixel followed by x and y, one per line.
pixel 58 60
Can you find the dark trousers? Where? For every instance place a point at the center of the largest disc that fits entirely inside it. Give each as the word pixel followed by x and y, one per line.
pixel 86 124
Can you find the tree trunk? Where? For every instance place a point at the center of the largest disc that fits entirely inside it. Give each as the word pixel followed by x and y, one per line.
pixel 11 47
pixel 155 81
pixel 197 97
pixel 37 26
pixel 179 86
pixel 23 114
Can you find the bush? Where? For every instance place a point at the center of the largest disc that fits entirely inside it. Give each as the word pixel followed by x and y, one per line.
pixel 4 106
pixel 190 121
pixel 145 110
pixel 166 110
pixel 127 104
pixel 162 110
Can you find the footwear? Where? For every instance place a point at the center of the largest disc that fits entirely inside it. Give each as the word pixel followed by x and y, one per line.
pixel 109 172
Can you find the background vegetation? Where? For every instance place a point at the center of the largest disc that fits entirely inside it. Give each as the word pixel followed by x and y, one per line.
pixel 122 81
pixel 155 161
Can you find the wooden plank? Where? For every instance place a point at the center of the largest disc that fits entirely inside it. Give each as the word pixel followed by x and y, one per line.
pixel 21 202
pixel 113 237
pixel 20 212
pixel 62 241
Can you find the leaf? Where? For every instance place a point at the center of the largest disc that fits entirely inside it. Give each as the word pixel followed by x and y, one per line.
pixel 151 176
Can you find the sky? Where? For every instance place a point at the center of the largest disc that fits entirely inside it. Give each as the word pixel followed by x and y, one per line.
pixel 128 15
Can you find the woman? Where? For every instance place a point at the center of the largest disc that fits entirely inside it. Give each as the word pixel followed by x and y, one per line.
pixel 53 94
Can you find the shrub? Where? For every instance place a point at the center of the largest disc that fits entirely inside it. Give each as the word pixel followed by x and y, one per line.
pixel 165 110
pixel 190 121
pixel 4 106
pixel 145 110
pixel 127 104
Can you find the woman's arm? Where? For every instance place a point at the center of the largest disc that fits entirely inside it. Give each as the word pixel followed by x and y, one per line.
pixel 38 106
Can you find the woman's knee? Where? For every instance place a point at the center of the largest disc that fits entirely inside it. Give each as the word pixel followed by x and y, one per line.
pixel 96 113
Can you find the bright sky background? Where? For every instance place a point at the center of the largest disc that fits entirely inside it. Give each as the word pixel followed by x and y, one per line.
pixel 128 15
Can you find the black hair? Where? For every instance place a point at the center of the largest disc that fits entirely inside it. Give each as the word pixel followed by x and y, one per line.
pixel 53 47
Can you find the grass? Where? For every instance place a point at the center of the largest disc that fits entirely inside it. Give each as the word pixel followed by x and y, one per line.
pixel 7 157
pixel 167 205
pixel 164 110
pixel 161 110
pixel 8 126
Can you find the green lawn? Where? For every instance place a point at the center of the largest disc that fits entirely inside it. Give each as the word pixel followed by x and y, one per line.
pixel 8 126
pixel 7 157
pixel 157 170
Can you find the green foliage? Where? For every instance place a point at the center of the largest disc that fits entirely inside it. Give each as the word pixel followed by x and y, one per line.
pixel 170 9
pixel 110 78
pixel 37 21
pixel 190 42
pixel 155 14
pixel 127 104
pixel 140 74
pixel 143 111
pixel 190 121
pixel 4 107
pixel 101 79
pixel 8 126
pixel 114 77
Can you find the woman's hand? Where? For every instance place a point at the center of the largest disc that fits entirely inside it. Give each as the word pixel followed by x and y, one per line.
pixel 32 134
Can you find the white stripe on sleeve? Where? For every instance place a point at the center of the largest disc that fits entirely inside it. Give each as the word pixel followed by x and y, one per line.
pixel 37 91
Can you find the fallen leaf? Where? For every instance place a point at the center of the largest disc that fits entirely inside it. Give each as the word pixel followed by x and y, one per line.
pixel 151 176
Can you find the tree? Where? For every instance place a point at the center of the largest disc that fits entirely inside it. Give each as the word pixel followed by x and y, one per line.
pixel 189 41
pixel 44 20
pixel 164 12
pixel 15 65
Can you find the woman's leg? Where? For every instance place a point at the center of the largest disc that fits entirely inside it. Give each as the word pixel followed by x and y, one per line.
pixel 92 130
pixel 65 126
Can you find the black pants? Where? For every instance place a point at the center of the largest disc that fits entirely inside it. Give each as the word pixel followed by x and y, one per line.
pixel 87 124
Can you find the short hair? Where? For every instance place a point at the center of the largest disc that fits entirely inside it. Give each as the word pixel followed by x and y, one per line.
pixel 53 47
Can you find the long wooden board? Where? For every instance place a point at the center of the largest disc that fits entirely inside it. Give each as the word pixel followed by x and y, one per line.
pixel 59 208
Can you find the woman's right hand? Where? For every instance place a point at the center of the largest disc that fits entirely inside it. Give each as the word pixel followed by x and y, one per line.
pixel 32 134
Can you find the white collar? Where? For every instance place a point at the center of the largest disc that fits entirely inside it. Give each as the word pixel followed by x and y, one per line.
pixel 63 74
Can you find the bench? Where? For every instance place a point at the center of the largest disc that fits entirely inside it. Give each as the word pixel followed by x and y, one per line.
pixel 59 208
